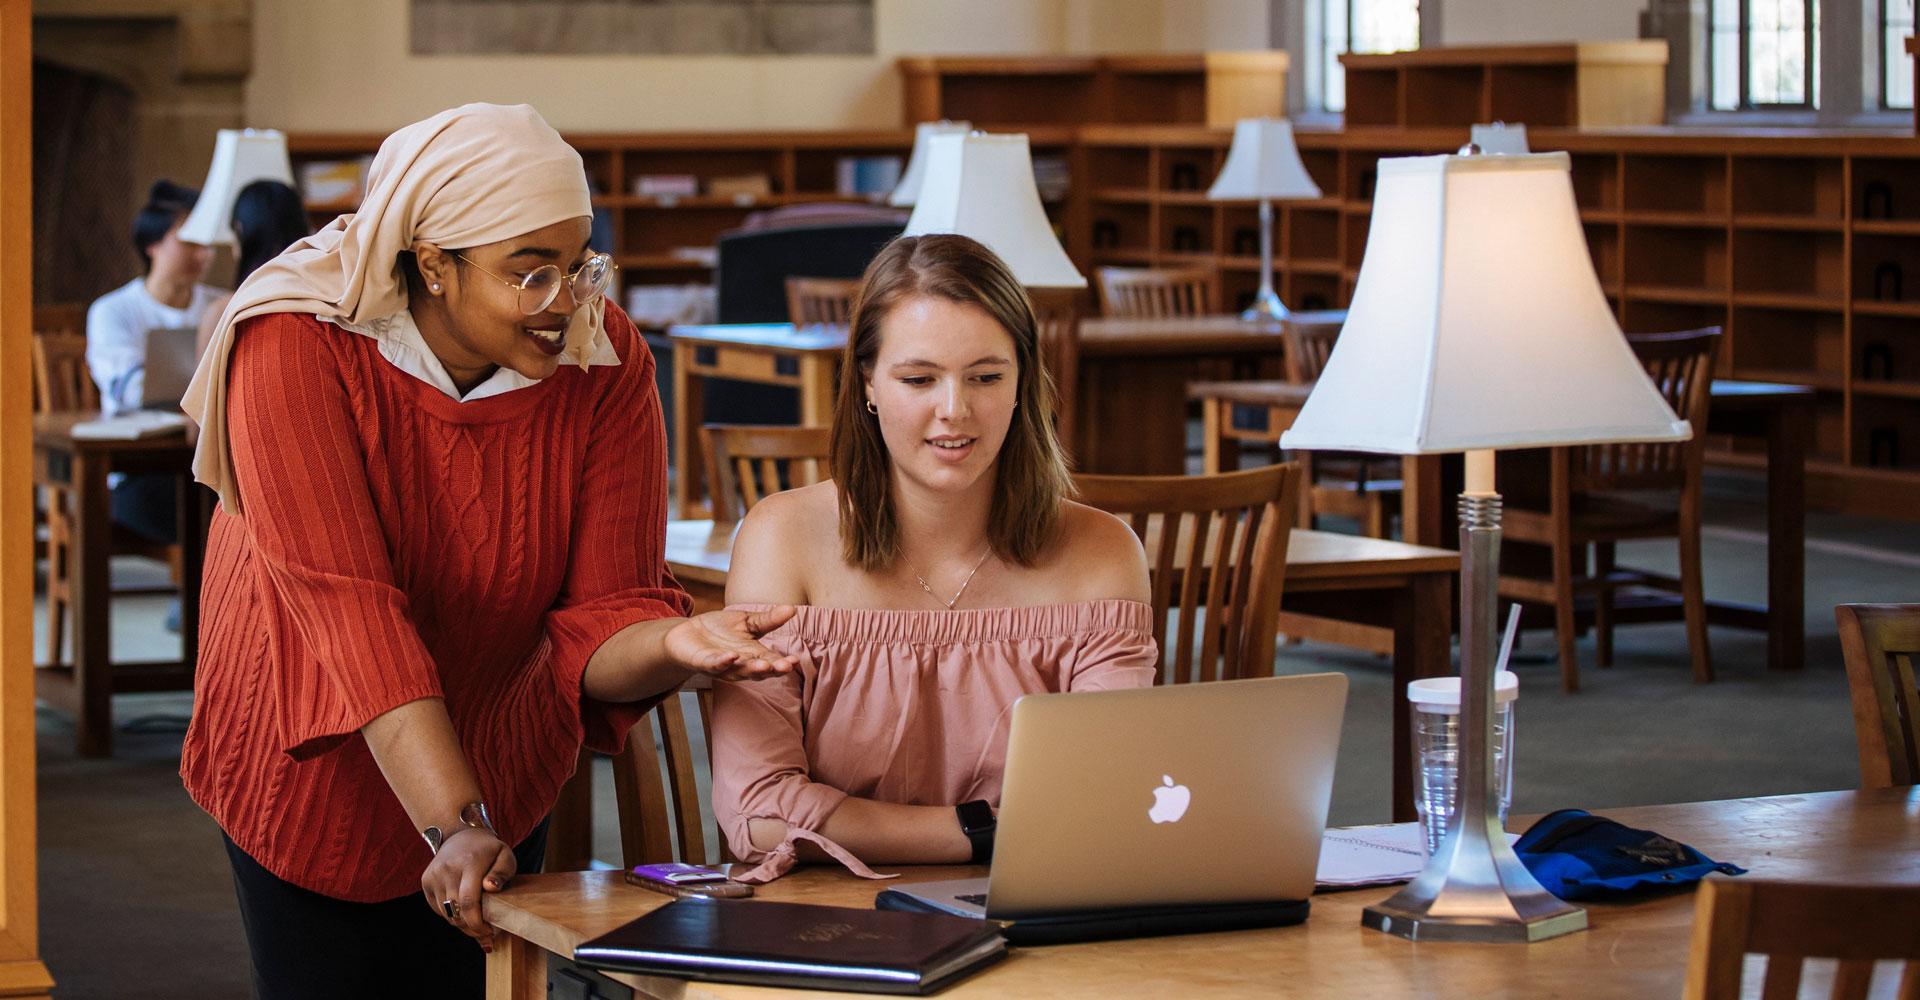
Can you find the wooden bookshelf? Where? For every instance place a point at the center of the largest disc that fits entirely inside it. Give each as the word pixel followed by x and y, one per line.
pixel 1566 84
pixel 1205 88
pixel 1768 235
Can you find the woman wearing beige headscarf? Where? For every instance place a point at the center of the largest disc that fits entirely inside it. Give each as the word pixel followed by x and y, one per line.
pixel 437 566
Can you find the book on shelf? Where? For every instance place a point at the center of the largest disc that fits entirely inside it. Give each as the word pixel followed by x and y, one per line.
pixel 1050 177
pixel 798 945
pixel 741 186
pixel 856 176
pixel 666 185
pixel 328 182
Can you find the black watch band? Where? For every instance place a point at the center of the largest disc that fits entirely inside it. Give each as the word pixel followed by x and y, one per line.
pixel 977 822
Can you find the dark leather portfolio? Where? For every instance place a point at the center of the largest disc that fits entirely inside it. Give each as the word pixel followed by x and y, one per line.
pixel 1124 922
pixel 798 945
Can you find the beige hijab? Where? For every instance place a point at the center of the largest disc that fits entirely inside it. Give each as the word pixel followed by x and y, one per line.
pixel 476 174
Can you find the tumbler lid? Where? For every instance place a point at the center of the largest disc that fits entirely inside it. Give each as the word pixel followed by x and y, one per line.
pixel 1442 694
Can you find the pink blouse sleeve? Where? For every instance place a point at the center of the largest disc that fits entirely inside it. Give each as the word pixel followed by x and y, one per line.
pixel 1120 658
pixel 760 772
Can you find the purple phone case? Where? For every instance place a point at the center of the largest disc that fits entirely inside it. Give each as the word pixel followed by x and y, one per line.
pixel 678 873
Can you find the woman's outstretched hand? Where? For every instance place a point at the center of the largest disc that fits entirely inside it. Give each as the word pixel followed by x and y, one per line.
pixel 725 644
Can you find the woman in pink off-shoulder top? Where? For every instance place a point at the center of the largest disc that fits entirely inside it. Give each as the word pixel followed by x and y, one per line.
pixel 942 574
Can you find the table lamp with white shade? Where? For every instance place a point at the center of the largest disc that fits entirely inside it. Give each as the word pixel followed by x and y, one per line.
pixel 1264 165
pixel 907 192
pixel 981 186
pixel 240 157
pixel 1500 138
pixel 1477 323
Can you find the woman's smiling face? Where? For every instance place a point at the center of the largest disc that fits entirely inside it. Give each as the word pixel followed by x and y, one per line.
pixel 944 384
pixel 488 324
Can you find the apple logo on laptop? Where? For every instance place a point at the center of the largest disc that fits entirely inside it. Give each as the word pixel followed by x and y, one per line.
pixel 1169 801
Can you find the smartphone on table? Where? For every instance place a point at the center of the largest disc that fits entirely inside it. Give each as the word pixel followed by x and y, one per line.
pixel 680 879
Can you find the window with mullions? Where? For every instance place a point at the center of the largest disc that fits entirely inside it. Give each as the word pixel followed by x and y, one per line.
pixel 1765 53
pixel 1361 26
pixel 1896 67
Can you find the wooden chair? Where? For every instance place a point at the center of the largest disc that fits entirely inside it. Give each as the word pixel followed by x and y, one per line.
pixel 1217 556
pixel 654 788
pixel 1349 484
pixel 1587 504
pixel 821 300
pixel 1882 647
pixel 1790 922
pixel 745 462
pixel 1057 313
pixel 1157 293
pixel 61 381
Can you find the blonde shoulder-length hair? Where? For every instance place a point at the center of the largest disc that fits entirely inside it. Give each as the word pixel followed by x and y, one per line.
pixel 1030 479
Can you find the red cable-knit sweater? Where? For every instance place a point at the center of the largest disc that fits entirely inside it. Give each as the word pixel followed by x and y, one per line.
pixel 396 545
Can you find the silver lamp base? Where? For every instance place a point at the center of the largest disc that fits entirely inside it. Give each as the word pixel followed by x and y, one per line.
pixel 1266 306
pixel 1474 888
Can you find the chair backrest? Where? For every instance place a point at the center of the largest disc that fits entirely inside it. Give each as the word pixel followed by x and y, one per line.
pixel 1057 313
pixel 1681 366
pixel 745 462
pixel 821 300
pixel 1791 922
pixel 61 380
pixel 1309 345
pixel 655 794
pixel 1882 645
pixel 1156 293
pixel 1217 558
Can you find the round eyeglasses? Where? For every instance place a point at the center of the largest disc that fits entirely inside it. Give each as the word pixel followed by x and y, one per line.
pixel 542 285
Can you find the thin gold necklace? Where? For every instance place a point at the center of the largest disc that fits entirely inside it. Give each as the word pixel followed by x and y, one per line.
pixel 963 587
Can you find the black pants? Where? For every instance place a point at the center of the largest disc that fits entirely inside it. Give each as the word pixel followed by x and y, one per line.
pixel 306 945
pixel 146 504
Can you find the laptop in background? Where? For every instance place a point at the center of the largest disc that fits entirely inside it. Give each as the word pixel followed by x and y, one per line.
pixel 1157 810
pixel 171 359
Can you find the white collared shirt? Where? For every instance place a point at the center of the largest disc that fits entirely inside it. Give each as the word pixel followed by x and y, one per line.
pixel 403 346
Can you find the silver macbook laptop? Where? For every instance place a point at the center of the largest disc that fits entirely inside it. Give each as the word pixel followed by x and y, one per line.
pixel 1188 794
pixel 171 358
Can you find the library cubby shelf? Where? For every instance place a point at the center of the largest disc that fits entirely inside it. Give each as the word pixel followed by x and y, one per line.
pixel 1599 216
pixel 1791 302
pixel 1120 257
pixel 658 262
pixel 1676 220
pixel 1871 307
pixel 1887 227
pixel 1183 198
pixel 1888 388
pixel 1822 381
pixel 1123 196
pixel 1789 223
pixel 1678 295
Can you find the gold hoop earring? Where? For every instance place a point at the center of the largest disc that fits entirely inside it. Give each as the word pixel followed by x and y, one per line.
pixel 875 410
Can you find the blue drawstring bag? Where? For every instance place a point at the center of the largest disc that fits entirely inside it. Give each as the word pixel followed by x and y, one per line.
pixel 1577 855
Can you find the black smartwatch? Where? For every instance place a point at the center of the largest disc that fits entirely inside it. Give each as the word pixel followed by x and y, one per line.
pixel 977 822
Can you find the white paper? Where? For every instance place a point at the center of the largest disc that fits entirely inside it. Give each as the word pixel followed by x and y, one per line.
pixel 1373 855
pixel 130 426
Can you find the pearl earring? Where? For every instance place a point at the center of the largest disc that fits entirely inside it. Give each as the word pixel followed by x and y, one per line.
pixel 435 286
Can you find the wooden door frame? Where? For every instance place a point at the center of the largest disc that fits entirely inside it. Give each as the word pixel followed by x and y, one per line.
pixel 22 974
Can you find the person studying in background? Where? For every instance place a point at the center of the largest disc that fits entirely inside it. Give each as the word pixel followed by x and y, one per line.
pixel 939 576
pixel 436 570
pixel 167 296
pixel 268 217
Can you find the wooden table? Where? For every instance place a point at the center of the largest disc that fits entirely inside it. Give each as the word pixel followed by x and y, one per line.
pixel 1237 412
pixel 1379 595
pixel 80 466
pixel 1632 950
pixel 805 358
pixel 1132 383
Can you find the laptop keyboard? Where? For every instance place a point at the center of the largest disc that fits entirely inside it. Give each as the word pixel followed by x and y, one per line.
pixel 976 898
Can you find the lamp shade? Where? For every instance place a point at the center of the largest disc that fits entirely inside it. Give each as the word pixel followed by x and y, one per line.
pixel 981 186
pixel 907 192
pixel 1263 163
pixel 240 157
pixel 1500 138
pixel 1477 322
